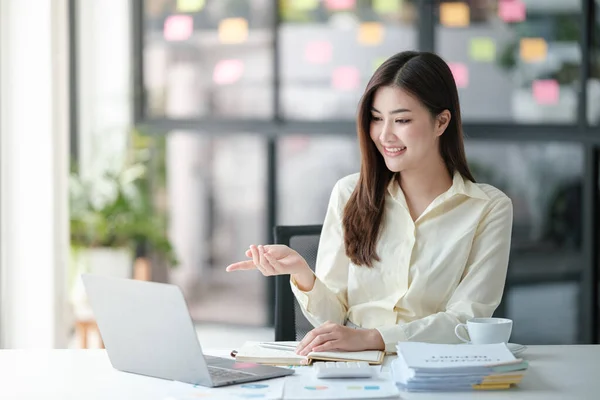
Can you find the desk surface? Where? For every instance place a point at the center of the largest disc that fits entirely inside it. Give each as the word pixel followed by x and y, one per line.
pixel 556 372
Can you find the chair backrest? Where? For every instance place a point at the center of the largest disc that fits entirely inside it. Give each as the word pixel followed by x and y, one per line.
pixel 290 323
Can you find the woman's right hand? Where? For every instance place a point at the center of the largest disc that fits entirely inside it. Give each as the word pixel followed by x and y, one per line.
pixel 273 260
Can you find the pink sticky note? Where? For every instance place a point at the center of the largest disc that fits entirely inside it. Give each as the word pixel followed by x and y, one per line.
pixel 178 27
pixel 546 91
pixel 227 72
pixel 511 10
pixel 345 78
pixel 318 52
pixel 340 4
pixel 460 73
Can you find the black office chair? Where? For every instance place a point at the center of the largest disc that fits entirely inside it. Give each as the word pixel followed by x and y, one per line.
pixel 290 323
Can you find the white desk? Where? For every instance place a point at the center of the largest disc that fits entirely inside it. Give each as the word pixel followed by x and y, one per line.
pixel 556 372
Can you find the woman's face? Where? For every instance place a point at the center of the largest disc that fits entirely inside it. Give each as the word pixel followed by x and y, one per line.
pixel 403 130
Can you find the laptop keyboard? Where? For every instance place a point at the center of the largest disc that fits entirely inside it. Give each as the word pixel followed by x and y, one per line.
pixel 222 374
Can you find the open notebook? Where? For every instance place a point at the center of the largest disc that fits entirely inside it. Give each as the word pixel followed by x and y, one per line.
pixel 253 352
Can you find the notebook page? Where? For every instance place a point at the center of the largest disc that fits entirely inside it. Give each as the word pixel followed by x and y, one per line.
pixel 253 350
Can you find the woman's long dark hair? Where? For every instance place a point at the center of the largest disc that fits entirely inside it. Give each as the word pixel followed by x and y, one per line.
pixel 427 77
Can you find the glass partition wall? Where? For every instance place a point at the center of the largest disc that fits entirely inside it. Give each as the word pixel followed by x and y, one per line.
pixel 266 91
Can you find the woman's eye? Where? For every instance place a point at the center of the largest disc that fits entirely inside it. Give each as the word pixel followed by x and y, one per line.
pixel 374 118
pixel 402 121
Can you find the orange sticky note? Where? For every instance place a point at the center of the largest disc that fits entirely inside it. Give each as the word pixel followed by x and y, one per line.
pixel 455 15
pixel 370 33
pixel 190 5
pixel 233 30
pixel 533 49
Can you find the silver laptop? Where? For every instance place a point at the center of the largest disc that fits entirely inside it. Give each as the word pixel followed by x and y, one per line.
pixel 147 330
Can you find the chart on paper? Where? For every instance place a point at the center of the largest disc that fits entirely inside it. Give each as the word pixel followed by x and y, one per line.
pixel 300 389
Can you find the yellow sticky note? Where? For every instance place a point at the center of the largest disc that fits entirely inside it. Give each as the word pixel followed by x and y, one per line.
pixel 304 5
pixel 482 49
pixel 455 15
pixel 370 33
pixel 387 6
pixel 190 5
pixel 533 49
pixel 233 30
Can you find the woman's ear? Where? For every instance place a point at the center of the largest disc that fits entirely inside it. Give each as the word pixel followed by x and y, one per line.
pixel 441 122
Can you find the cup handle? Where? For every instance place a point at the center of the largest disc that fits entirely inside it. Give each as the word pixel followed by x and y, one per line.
pixel 456 332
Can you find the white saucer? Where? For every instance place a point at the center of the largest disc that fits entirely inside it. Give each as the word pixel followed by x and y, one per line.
pixel 516 349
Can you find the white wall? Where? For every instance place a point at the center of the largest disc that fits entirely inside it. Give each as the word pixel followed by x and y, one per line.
pixel 34 171
pixel 105 83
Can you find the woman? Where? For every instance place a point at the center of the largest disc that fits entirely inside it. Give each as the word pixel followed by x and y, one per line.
pixel 411 246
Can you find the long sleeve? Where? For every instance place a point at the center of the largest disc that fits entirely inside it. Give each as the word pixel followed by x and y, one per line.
pixel 480 289
pixel 327 300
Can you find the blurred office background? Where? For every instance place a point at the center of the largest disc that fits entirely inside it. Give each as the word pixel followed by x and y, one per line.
pixel 158 139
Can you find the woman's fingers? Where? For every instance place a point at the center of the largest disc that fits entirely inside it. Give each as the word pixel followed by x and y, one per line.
pixel 256 260
pixel 276 265
pixel 263 261
pixel 241 266
pixel 254 254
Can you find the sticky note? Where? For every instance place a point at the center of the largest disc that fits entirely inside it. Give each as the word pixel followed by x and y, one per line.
pixel 178 27
pixel 511 10
pixel 387 6
pixel 190 5
pixel 318 52
pixel 377 62
pixel 370 33
pixel 533 49
pixel 227 72
pixel 546 91
pixel 304 5
pixel 454 15
pixel 337 5
pixel 233 30
pixel 460 72
pixel 482 49
pixel 345 78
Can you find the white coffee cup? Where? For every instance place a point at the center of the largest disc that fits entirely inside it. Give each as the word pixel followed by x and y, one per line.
pixel 485 330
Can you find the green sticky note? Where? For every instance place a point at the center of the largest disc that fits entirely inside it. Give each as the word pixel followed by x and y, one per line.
pixel 482 49
pixel 387 6
pixel 377 62
pixel 305 4
pixel 190 5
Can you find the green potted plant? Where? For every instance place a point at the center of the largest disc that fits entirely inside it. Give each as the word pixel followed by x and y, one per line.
pixel 113 218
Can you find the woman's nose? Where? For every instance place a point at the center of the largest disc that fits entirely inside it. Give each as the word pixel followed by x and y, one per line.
pixel 386 133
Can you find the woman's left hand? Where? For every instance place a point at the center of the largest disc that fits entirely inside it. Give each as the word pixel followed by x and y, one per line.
pixel 332 337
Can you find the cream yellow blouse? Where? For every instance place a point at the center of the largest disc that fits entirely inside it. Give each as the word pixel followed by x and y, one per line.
pixel 440 270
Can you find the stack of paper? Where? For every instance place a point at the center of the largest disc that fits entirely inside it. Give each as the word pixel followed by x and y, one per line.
pixel 442 367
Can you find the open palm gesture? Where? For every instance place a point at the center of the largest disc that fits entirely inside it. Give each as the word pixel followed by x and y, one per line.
pixel 272 260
